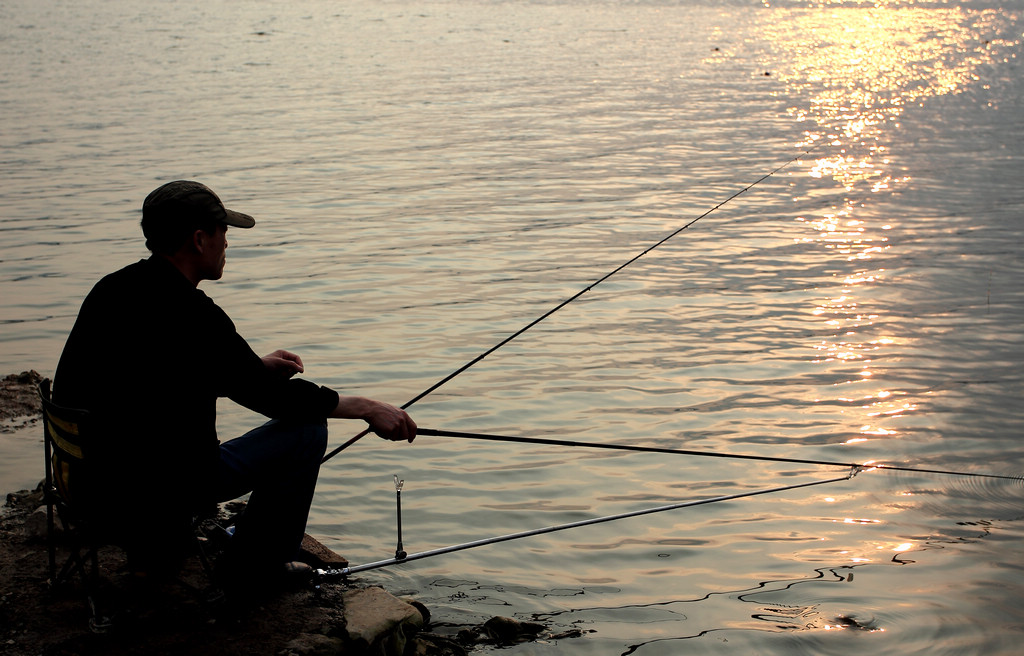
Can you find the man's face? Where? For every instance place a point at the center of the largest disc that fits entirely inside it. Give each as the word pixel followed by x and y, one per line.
pixel 215 253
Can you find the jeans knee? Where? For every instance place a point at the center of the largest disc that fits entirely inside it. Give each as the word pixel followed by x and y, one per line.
pixel 314 436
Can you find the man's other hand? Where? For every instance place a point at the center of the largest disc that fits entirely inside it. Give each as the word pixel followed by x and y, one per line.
pixel 283 363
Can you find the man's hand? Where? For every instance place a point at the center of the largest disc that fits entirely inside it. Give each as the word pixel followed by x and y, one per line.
pixel 385 420
pixel 392 423
pixel 283 363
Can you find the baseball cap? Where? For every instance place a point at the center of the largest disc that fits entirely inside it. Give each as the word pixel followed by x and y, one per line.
pixel 192 198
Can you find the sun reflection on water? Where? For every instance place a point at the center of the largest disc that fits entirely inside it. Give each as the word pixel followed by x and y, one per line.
pixel 857 66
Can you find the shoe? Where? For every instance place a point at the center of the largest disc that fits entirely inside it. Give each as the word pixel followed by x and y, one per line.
pixel 296 571
pixel 249 585
pixel 295 575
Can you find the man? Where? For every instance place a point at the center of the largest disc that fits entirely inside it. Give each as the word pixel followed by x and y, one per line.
pixel 148 357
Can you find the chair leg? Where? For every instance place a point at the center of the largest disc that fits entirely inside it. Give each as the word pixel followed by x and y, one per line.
pixel 75 562
pixel 51 539
pixel 102 619
pixel 49 495
pixel 71 566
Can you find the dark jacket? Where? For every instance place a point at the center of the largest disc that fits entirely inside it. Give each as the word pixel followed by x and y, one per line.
pixel 148 357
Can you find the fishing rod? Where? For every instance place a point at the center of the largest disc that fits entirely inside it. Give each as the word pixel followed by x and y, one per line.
pixel 345 571
pixel 653 449
pixel 575 296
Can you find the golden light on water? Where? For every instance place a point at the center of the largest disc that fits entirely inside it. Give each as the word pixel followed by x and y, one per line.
pixel 869 551
pixel 857 66
pixel 876 552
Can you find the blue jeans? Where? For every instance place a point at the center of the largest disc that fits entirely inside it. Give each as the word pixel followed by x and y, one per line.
pixel 278 463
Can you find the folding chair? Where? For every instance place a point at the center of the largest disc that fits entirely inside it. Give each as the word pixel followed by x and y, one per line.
pixel 68 437
pixel 65 490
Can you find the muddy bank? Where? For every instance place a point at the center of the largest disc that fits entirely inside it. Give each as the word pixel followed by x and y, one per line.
pixel 187 615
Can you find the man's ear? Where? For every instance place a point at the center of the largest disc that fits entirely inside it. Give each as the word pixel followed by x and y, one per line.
pixel 199 238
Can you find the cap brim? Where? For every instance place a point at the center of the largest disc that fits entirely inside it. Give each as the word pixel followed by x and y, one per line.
pixel 237 219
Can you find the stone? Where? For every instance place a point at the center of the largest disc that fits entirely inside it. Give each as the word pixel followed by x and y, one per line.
pixel 505 630
pixel 19 401
pixel 424 611
pixel 317 555
pixel 313 644
pixel 35 524
pixel 377 620
pixel 434 645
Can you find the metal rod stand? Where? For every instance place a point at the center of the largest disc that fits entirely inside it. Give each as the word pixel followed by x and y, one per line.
pixel 400 550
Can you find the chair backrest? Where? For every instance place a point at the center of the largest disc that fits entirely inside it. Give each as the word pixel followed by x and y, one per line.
pixel 66 438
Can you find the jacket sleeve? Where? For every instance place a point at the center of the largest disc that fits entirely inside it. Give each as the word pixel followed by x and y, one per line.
pixel 247 381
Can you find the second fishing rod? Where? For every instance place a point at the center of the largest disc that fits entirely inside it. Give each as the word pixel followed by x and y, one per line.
pixel 711 454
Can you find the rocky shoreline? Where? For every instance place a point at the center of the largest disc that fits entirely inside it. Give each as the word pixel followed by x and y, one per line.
pixel 180 617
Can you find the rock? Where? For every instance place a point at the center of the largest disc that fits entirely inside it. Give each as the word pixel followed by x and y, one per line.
pixel 35 524
pixel 19 400
pixel 317 555
pixel 434 645
pixel 505 630
pixel 377 621
pixel 468 636
pixel 313 644
pixel 571 633
pixel 424 611
pixel 26 498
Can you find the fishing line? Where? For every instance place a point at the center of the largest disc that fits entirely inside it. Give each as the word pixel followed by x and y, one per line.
pixel 585 522
pixel 575 296
pixel 653 449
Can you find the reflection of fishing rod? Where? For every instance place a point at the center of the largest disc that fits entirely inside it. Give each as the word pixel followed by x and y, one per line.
pixel 345 571
pixel 572 298
pixel 685 452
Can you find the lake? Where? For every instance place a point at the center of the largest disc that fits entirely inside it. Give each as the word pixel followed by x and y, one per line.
pixel 430 178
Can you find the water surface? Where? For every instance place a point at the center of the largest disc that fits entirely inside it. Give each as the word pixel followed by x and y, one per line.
pixel 430 178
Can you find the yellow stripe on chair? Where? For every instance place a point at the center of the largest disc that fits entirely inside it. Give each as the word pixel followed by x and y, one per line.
pixel 52 424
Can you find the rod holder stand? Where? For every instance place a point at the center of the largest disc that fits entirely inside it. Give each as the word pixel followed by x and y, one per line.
pixel 399 550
